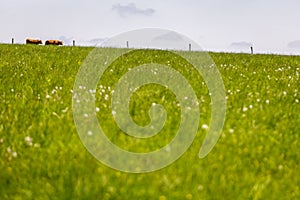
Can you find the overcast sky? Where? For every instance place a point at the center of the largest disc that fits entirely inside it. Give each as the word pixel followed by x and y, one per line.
pixel 217 25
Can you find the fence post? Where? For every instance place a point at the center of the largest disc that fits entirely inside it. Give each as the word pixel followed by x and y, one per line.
pixel 12 40
pixel 190 47
pixel 73 43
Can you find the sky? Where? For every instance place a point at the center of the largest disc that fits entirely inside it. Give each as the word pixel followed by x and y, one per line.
pixel 270 26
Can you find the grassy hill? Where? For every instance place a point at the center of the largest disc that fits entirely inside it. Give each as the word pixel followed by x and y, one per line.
pixel 42 157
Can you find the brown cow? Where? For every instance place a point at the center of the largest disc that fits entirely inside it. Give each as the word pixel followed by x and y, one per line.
pixel 33 41
pixel 53 42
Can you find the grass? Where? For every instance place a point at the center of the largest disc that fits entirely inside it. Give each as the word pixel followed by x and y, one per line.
pixel 42 157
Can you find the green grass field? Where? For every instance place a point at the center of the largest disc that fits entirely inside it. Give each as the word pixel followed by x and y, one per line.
pixel 42 157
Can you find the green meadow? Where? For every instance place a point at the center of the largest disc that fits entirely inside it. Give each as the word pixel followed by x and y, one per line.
pixel 42 156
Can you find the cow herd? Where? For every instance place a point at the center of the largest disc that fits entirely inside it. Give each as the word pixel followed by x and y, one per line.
pixel 47 42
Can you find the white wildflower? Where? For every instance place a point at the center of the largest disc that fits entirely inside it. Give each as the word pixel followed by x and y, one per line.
pixel 200 187
pixel 14 154
pixel 90 133
pixel 36 145
pixel 28 140
pixel 205 126
pixel 267 101
pixel 168 149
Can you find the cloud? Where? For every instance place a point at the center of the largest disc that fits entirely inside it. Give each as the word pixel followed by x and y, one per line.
pixel 131 9
pixel 294 44
pixel 93 42
pixel 97 41
pixel 81 42
pixel 173 40
pixel 240 45
pixel 151 38
pixel 170 36
pixel 66 40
